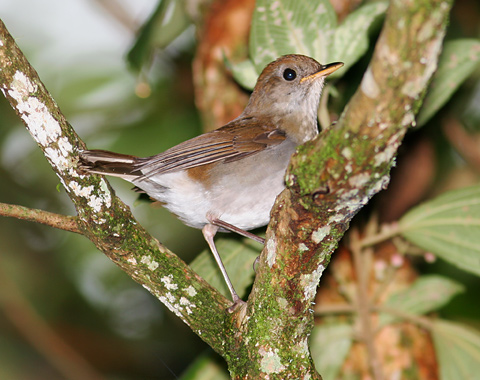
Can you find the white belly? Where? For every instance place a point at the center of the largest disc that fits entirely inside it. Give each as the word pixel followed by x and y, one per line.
pixel 242 192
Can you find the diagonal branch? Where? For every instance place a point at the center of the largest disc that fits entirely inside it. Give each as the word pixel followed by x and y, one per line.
pixel 102 217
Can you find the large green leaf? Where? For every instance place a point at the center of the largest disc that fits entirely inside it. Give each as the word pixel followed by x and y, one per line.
pixel 458 350
pixel 238 257
pixel 291 27
pixel 449 227
pixel 306 27
pixel 330 344
pixel 351 37
pixel 426 294
pixel 458 60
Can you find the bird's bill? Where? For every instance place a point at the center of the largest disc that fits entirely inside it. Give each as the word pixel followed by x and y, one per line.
pixel 326 70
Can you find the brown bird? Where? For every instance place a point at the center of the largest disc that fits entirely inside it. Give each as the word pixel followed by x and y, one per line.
pixel 228 179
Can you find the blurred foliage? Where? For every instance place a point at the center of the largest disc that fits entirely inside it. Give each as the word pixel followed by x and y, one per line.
pixel 448 226
pixel 166 23
pixel 111 321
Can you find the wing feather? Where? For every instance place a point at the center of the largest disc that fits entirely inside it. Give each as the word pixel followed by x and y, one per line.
pixel 238 139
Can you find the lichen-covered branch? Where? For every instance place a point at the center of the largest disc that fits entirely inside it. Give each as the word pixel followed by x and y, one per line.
pixel 102 217
pixel 329 181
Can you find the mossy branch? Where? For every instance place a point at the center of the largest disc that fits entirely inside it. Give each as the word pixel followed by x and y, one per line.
pixel 102 217
pixel 331 178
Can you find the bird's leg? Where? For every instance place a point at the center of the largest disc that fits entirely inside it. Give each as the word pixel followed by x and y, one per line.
pixel 232 228
pixel 209 232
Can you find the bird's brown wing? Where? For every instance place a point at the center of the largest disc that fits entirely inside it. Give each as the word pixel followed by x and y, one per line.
pixel 238 139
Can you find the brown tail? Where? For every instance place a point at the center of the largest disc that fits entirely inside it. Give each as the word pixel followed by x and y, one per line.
pixel 109 163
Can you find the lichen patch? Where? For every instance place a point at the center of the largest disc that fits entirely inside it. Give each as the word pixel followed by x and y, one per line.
pixel 309 282
pixel 271 251
pixel 191 291
pixel 168 282
pixel 319 234
pixel 41 124
pixel 369 86
pixel 271 361
pixel 151 264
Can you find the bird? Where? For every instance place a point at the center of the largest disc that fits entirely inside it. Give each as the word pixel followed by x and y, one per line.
pixel 227 179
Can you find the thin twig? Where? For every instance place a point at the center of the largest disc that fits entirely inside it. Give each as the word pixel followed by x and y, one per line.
pixel 465 144
pixel 334 309
pixel 363 303
pixel 330 309
pixel 421 321
pixel 119 13
pixel 387 232
pixel 62 222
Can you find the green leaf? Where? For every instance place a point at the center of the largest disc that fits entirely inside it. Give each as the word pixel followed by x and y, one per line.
pixel 426 294
pixel 291 27
pixel 245 73
pixel 458 350
pixel 167 22
pixel 205 367
pixel 448 226
pixel 330 344
pixel 458 60
pixel 305 27
pixel 238 257
pixel 351 37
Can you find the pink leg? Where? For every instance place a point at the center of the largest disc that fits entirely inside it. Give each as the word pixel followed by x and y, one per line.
pixel 209 232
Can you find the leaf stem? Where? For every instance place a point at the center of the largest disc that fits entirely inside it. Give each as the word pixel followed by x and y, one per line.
pixel 387 231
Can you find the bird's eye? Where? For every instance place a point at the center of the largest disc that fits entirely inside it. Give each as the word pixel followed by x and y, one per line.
pixel 289 74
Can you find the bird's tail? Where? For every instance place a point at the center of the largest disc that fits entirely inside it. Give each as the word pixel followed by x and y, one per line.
pixel 109 163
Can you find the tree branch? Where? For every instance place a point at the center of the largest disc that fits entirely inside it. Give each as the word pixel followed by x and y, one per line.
pixel 102 217
pixel 330 179
pixel 62 222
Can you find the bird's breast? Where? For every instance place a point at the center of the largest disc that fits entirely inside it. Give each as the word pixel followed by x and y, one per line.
pixel 240 192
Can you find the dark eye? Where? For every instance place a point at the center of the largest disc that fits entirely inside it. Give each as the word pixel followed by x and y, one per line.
pixel 289 74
